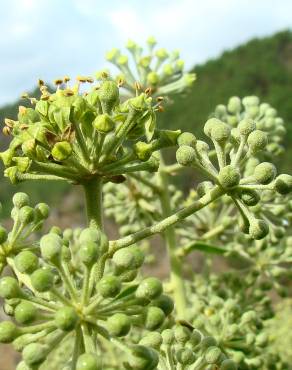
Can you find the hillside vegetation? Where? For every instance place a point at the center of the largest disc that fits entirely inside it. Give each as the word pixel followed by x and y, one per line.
pixel 260 67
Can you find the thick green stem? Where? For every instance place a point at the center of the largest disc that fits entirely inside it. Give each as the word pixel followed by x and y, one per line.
pixel 76 351
pixel 180 215
pixel 176 277
pixel 93 198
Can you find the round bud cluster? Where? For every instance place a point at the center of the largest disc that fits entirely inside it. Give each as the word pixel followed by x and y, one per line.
pixel 228 319
pixel 229 176
pixel 163 71
pixel 186 155
pixel 17 243
pixel 63 293
pixel 60 150
pixel 186 347
pixel 231 169
pixel 134 205
pixel 249 115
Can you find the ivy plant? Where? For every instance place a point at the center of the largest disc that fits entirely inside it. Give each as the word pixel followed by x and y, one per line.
pixel 80 301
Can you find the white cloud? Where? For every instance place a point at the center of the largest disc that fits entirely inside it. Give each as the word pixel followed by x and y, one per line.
pixel 46 38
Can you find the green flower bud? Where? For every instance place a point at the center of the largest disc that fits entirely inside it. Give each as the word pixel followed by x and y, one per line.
pixel 185 155
pixel 204 187
pixel 265 172
pixel 109 286
pixel 127 276
pixel 283 184
pixel 229 176
pixel 250 100
pixel 152 164
pixel 257 140
pixel 29 148
pixel 185 356
pixel 182 334
pixel 228 365
pixel 89 234
pixel 154 318
pixel 216 302
pixel 151 41
pixel 234 104
pixel 3 235
pixel 143 358
pixel 25 312
pixel 246 126
pixel 210 124
pixel 168 70
pixel 9 288
pixel 12 173
pixel 20 200
pixel 88 253
pixel 7 157
pixel 153 340
pixel 188 139
pixel 61 151
pixel 129 258
pixel 56 230
pixel 119 325
pixel 202 147
pixel 8 331
pixel 103 123
pixel 165 303
pixel 122 60
pixel 88 361
pixel 66 318
pixel 279 232
pixel 258 229
pixel 42 211
pixel 262 340
pixel 213 355
pixel 167 336
pixel 67 234
pixel 34 354
pixel 152 78
pixel 26 215
pixel 143 150
pixel 112 55
pixel 220 110
pixel 51 246
pixel 108 95
pixel 248 317
pixel 220 132
pixel 208 342
pixel 179 65
pixel 195 338
pixel 150 288
pixel 238 357
pixel 145 62
pixel 22 163
pixel 161 54
pixel 249 197
pixel 42 280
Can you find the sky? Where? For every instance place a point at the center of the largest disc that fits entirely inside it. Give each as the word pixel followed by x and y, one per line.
pixel 51 38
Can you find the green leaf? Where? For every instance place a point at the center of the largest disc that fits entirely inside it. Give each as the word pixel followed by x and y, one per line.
pixel 150 125
pixel 126 292
pixel 42 106
pixel 203 247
